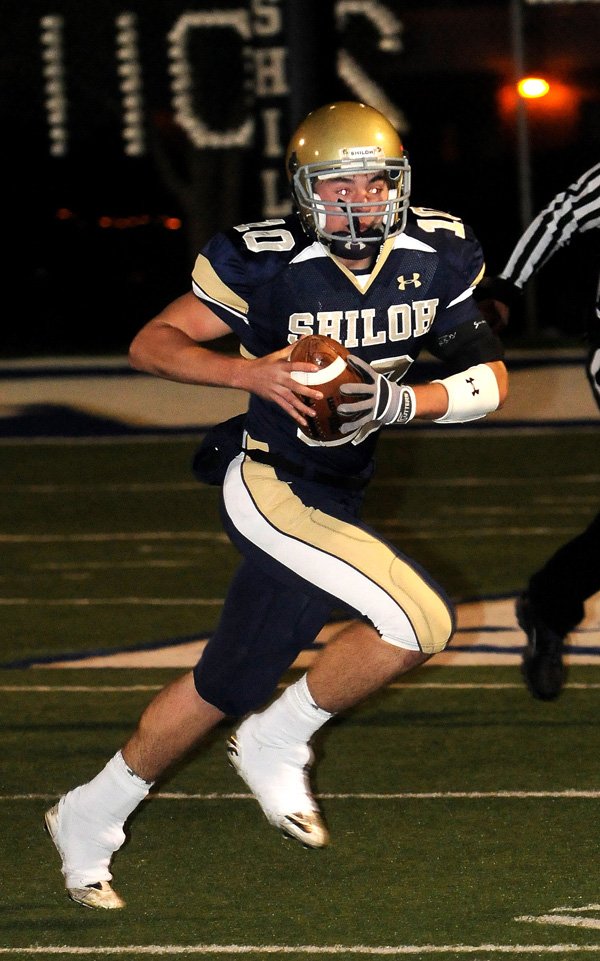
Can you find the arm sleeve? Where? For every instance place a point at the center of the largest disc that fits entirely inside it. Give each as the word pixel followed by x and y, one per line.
pixel 574 210
pixel 472 342
pixel 460 336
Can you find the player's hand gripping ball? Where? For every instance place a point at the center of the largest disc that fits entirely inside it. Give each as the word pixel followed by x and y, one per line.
pixel 330 357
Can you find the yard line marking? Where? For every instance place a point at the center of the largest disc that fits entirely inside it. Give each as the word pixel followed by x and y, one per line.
pixel 102 538
pixel 566 920
pixel 108 601
pixel 414 533
pixel 80 688
pixel 158 486
pixel 443 533
pixel 111 565
pixel 466 481
pixel 434 685
pixel 586 907
pixel 570 793
pixel 501 510
pixel 392 796
pixel 119 440
pixel 309 949
pixel 94 488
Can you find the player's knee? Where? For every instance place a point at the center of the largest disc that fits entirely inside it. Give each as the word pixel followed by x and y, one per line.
pixel 425 618
pixel 438 628
pixel 431 641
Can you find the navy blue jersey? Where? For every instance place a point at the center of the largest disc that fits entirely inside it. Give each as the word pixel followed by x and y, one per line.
pixel 271 284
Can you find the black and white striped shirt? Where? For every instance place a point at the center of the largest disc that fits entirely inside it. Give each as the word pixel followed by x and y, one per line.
pixel 572 211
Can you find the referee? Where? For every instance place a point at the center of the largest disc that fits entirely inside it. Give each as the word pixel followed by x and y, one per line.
pixel 552 604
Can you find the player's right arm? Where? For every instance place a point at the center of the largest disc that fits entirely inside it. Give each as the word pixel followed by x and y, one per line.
pixel 171 345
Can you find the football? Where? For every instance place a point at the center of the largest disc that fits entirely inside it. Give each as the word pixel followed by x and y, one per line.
pixel 330 356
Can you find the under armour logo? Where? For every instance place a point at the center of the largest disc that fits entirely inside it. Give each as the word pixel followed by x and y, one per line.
pixel 402 281
pixel 474 390
pixel 355 245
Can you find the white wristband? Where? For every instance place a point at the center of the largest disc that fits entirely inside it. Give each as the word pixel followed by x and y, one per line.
pixel 471 394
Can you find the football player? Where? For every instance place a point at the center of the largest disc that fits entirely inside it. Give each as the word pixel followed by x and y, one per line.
pixel 355 263
pixel 552 604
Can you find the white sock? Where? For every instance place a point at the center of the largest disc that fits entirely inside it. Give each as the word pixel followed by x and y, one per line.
pixel 293 717
pixel 112 795
pixel 92 818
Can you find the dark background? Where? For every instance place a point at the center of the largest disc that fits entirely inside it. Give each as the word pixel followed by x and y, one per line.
pixel 90 253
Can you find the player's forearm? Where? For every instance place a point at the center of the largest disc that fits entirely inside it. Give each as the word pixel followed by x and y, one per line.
pixel 434 401
pixel 170 353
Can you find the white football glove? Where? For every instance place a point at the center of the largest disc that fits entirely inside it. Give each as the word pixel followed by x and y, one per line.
pixel 380 400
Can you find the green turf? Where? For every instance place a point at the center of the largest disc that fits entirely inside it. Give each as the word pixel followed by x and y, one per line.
pixel 399 871
pixel 113 545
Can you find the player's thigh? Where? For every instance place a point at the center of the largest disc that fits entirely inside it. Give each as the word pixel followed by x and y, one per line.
pixel 329 551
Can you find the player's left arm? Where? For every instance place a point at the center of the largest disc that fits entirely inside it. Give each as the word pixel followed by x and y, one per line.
pixel 467 395
pixel 461 338
pixel 476 386
pixel 478 383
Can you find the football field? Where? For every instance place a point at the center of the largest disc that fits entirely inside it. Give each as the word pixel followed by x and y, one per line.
pixel 463 813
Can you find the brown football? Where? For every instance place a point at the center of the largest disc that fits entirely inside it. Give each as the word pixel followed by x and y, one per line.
pixel 330 357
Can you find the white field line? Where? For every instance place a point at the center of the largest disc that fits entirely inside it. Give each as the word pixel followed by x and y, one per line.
pixel 568 794
pixel 557 502
pixel 566 920
pixel 580 910
pixel 125 688
pixel 109 601
pixel 114 536
pixel 79 688
pixel 119 440
pixel 485 481
pixel 509 510
pixel 111 565
pixel 184 434
pixel 465 481
pixel 396 796
pixel 311 949
pixel 133 487
pixel 434 533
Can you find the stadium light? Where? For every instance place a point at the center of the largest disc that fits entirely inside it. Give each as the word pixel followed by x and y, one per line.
pixel 532 88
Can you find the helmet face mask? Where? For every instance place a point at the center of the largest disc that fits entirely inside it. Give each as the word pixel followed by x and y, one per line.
pixel 340 142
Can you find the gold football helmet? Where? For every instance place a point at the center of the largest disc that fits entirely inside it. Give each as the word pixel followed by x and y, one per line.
pixel 343 139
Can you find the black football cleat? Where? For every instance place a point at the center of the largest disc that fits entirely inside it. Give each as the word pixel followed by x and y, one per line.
pixel 542 665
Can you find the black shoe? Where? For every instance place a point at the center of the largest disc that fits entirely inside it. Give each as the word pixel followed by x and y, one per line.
pixel 542 665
